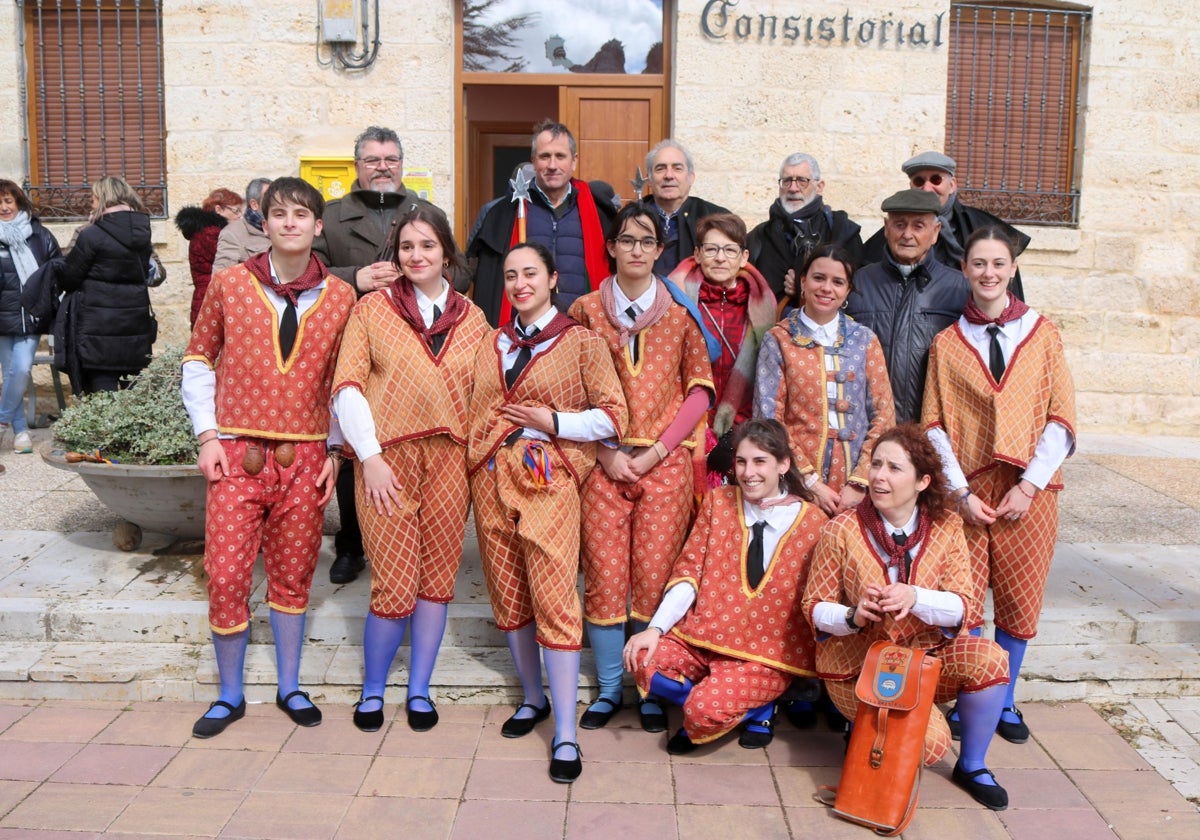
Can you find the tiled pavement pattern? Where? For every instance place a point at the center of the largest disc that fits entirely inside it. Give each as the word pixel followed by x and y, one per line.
pixel 82 768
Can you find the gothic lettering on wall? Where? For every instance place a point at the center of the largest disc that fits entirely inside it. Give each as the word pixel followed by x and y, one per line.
pixel 724 20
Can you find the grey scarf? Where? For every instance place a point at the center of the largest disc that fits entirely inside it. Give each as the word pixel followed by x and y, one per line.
pixel 15 234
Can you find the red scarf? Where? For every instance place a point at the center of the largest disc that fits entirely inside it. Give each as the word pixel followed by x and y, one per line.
pixel 870 519
pixel 737 296
pixel 404 300
pixel 260 267
pixel 594 255
pixel 559 324
pixel 1013 310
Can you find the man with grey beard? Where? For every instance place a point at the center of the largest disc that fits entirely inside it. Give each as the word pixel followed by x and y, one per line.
pixel 798 222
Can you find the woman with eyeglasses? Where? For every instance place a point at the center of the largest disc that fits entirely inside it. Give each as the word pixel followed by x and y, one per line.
pixel 738 307
pixel 638 505
pixel 1000 408
pixel 201 227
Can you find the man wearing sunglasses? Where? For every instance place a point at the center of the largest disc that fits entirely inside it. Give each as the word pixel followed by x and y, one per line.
pixel 934 172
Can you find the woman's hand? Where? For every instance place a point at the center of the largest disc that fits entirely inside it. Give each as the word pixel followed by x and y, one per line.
pixel 530 417
pixel 381 485
pixel 789 283
pixel 851 495
pixel 1016 502
pixel 867 610
pixel 827 498
pixel 975 512
pixel 645 642
pixel 616 465
pixel 644 461
pixel 327 479
pixel 212 461
pixel 898 599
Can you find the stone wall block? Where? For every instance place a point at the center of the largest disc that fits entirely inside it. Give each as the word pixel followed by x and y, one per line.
pixel 1185 335
pixel 1080 330
pixel 1177 294
pixel 1126 372
pixel 1100 412
pixel 1124 330
pixel 1113 290
pixel 1165 415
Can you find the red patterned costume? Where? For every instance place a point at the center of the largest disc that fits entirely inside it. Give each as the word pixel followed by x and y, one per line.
pixel 844 564
pixel 632 533
pixel 994 429
pixel 260 398
pixel 419 403
pixel 526 495
pixel 740 646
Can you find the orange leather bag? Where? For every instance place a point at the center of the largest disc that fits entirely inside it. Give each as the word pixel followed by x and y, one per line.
pixel 881 776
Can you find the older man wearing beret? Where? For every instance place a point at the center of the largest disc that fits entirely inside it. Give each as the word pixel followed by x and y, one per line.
pixel 908 297
pixel 934 173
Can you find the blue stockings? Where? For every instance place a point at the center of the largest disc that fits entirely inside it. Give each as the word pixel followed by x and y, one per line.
pixel 381 640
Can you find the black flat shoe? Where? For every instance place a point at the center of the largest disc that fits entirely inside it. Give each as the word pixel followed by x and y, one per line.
pixel 952 720
pixel 594 718
pixel 565 770
pixel 752 739
pixel 652 721
pixel 1014 733
pixel 515 726
pixel 801 714
pixel 346 568
pixel 207 727
pixel 421 721
pixel 369 721
pixel 308 716
pixel 989 796
pixel 680 744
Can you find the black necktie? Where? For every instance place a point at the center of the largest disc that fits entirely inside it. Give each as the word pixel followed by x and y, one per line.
pixel 288 326
pixel 438 339
pixel 524 354
pixel 995 354
pixel 900 538
pixel 632 312
pixel 754 555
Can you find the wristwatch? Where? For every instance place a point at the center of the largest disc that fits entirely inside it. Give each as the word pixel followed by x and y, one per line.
pixel 850 613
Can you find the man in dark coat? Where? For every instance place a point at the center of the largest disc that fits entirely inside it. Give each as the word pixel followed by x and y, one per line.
pixel 799 222
pixel 909 297
pixel 672 173
pixel 934 173
pixel 569 216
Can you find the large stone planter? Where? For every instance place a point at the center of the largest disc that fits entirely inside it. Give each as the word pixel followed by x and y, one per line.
pixel 167 499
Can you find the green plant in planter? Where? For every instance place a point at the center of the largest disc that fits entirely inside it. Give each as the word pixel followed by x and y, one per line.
pixel 144 424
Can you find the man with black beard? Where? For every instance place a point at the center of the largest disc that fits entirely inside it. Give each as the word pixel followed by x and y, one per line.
pixel 798 222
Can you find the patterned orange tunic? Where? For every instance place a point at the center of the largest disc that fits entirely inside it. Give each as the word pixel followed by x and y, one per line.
pixel 258 394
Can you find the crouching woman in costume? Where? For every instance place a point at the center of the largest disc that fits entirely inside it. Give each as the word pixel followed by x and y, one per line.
pixel 729 635
pixel 896 568
pixel 545 391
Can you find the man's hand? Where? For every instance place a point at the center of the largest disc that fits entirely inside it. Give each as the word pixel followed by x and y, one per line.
pixel 616 465
pixel 212 461
pixel 381 485
pixel 646 643
pixel 375 276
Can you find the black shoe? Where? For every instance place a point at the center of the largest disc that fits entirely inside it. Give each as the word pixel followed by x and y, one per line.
pixel 369 721
pixel 990 796
pixel 680 743
pixel 515 726
pixel 207 727
pixel 421 721
pixel 565 770
pixel 652 721
pixel 308 716
pixel 346 567
pixel 594 718
pixel 800 714
pixel 955 724
pixel 754 739
pixel 1014 733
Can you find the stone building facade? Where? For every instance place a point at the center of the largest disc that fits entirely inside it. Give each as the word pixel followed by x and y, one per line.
pixel 248 90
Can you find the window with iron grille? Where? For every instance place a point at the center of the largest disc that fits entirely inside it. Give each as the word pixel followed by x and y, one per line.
pixel 1013 115
pixel 93 91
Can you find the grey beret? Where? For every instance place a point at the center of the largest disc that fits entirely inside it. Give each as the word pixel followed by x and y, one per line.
pixel 912 201
pixel 929 160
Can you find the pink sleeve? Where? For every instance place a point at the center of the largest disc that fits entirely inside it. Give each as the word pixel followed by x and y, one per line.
pixel 689 415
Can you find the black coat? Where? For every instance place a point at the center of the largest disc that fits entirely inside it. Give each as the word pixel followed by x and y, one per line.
pixel 691 211
pixel 770 243
pixel 14 318
pixel 906 314
pixel 109 325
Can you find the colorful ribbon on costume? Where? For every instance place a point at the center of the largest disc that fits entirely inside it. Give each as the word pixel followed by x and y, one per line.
pixel 537 462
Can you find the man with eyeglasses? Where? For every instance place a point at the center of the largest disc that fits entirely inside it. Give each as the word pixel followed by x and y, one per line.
pixel 357 246
pixel 672 171
pixel 567 215
pixel 798 222
pixel 934 172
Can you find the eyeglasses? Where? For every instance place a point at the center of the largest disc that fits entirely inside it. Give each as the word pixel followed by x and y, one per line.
pixel 626 243
pixel 936 179
pixel 391 162
pixel 802 183
pixel 731 251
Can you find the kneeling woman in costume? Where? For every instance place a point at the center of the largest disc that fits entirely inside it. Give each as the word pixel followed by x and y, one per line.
pixel 411 474
pixel 545 391
pixel 896 568
pixel 729 635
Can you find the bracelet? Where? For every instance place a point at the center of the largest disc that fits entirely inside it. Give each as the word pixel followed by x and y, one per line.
pixel 206 440
pixel 1029 496
pixel 661 632
pixel 662 453
pixel 851 612
pixel 966 494
pixel 335 452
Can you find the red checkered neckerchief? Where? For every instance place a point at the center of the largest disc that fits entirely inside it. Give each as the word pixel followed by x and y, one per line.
pixel 403 298
pixel 314 273
pixel 1013 310
pixel 882 532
